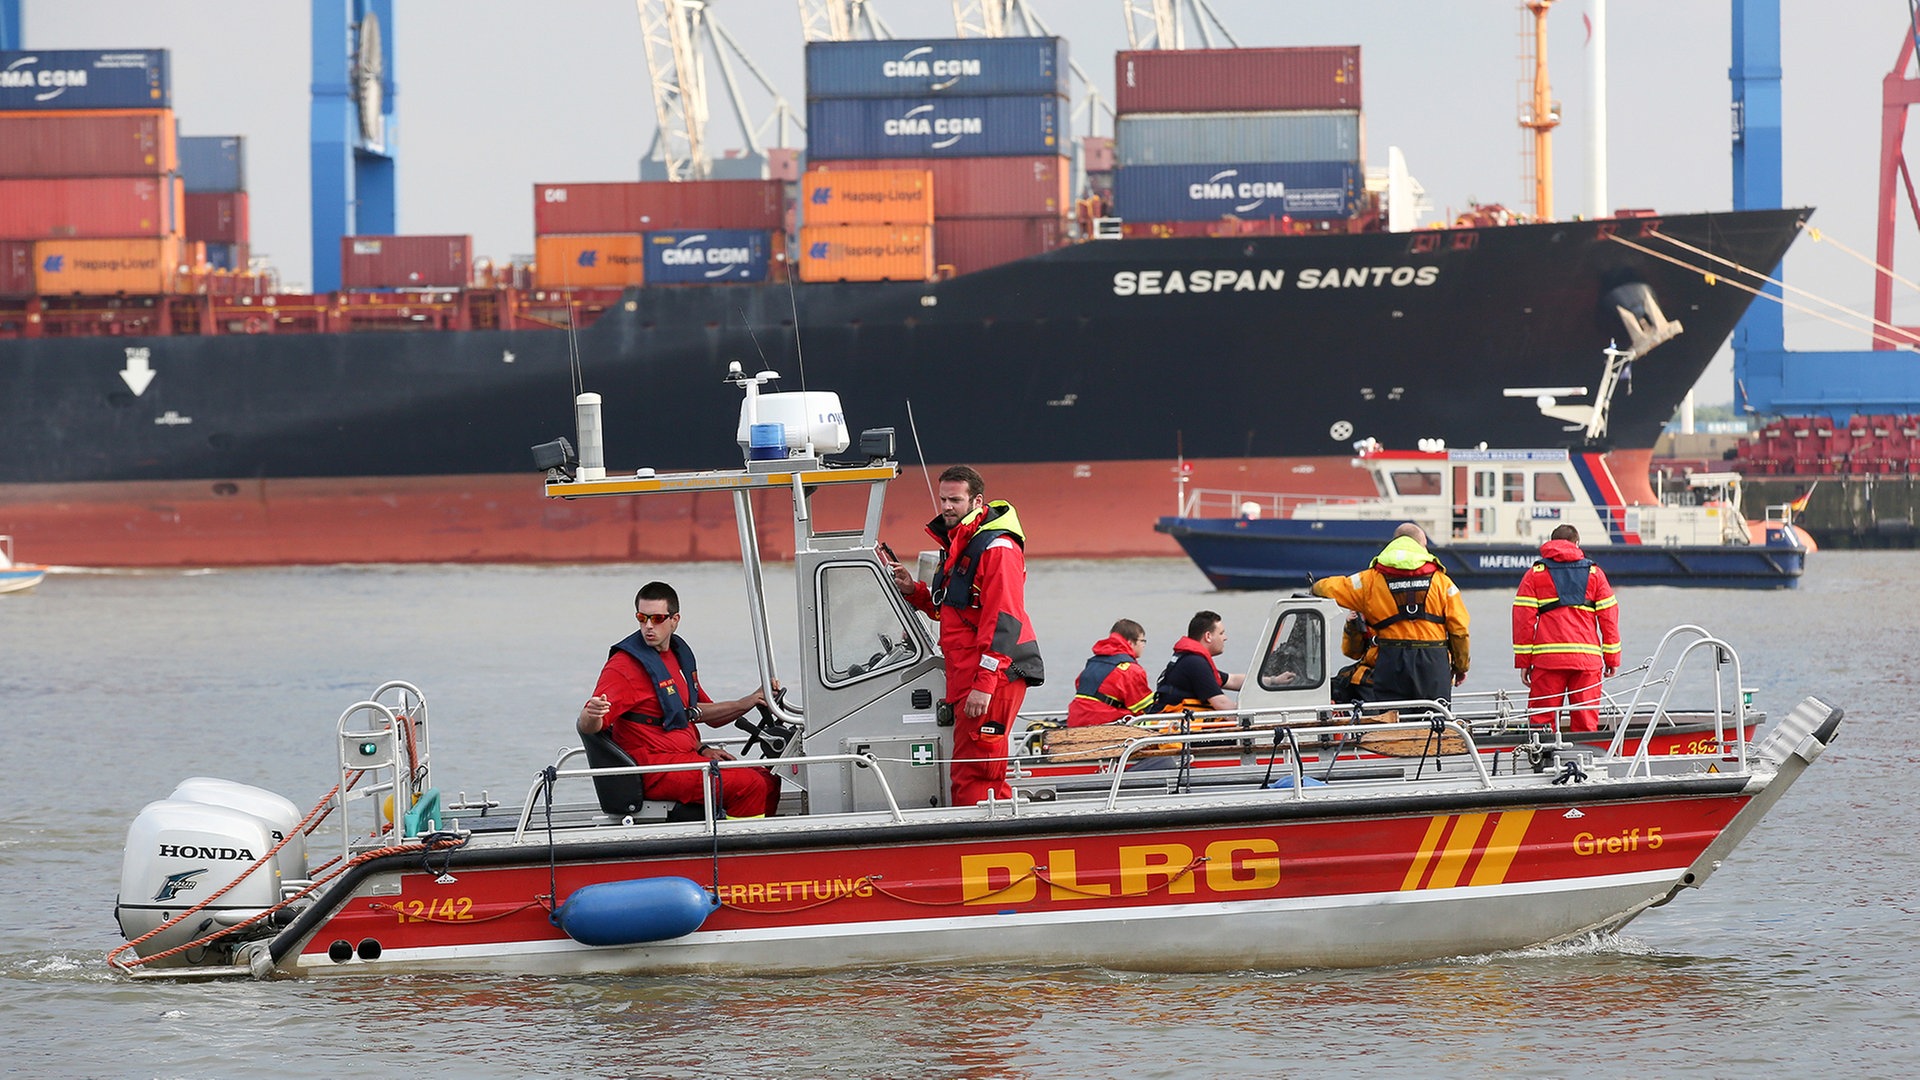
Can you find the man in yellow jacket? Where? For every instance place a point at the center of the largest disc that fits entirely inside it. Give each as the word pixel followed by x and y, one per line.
pixel 1416 615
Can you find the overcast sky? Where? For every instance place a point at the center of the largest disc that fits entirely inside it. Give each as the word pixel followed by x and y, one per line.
pixel 497 95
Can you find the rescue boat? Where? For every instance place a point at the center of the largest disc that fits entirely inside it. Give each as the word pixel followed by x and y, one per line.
pixel 16 576
pixel 1486 513
pixel 1309 847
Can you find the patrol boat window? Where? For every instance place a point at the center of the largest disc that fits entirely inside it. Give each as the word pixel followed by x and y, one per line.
pixel 1296 658
pixel 1416 483
pixel 862 630
pixel 1551 487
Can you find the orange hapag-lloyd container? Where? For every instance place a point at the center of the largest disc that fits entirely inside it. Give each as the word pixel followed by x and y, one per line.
pixel 144 267
pixel 874 197
pixel 562 262
pixel 866 253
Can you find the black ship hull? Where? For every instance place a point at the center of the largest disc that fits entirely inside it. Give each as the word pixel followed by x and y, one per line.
pixel 1250 348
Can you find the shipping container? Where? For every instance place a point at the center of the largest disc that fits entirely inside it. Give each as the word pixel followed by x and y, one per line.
pixel 45 79
pixel 405 262
pixel 218 217
pixel 1319 189
pixel 146 267
pixel 647 205
pixel 969 245
pixel 1098 151
pixel 16 268
pixel 979 67
pixel 935 127
pixel 992 187
pixel 889 196
pixel 574 262
pixel 706 256
pixel 98 207
pixel 227 256
pixel 214 162
pixel 1237 80
pixel 866 253
pixel 1227 138
pixel 784 163
pixel 106 142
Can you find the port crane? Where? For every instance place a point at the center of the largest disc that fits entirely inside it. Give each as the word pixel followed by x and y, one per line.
pixel 680 38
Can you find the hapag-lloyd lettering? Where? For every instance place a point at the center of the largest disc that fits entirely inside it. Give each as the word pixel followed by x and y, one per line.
pixel 1227 279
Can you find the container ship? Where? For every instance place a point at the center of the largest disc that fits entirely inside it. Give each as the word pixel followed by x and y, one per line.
pixel 1215 294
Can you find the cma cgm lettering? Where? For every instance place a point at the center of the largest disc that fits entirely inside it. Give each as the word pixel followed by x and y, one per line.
pixel 1170 282
pixel 696 255
pixel 1308 190
pixel 84 79
pixel 976 66
pixel 935 127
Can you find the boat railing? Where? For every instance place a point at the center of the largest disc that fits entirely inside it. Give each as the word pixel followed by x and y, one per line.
pixel 1670 658
pixel 1223 502
pixel 1436 723
pixel 382 754
pixel 707 817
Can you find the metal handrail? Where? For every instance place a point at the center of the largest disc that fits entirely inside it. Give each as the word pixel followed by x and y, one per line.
pixel 706 805
pixel 1687 638
pixel 1472 752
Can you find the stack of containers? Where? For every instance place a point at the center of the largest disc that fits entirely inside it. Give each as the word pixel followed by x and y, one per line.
pixel 658 232
pixel 1240 140
pixel 90 193
pixel 985 118
pixel 213 169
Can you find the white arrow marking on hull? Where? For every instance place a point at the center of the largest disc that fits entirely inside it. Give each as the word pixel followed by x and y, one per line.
pixel 137 374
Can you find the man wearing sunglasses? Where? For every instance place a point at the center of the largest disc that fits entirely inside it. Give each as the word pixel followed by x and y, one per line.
pixel 650 692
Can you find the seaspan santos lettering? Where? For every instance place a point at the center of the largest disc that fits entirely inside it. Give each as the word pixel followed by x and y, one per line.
pixel 189 851
pixel 1168 282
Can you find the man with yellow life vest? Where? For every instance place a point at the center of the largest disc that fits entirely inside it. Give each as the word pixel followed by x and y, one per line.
pixel 1566 630
pixel 1416 615
pixel 1113 686
pixel 979 598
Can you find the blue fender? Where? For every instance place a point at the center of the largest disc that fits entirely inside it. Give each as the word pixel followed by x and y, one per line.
pixel 633 912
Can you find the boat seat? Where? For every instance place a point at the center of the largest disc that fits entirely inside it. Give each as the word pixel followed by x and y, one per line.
pixel 623 796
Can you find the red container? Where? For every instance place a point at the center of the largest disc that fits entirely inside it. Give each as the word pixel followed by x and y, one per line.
pixel 1237 80
pixel 107 142
pixel 984 187
pixel 405 262
pixel 649 206
pixel 218 217
pixel 16 268
pixel 1098 152
pixel 971 244
pixel 90 208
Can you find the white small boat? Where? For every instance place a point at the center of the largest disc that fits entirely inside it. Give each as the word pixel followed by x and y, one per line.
pixel 1327 838
pixel 17 576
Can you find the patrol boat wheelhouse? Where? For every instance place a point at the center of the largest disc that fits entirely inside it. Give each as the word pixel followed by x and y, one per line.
pixel 1486 513
pixel 1281 859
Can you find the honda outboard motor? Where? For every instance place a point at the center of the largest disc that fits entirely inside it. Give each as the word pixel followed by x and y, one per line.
pixel 261 803
pixel 180 851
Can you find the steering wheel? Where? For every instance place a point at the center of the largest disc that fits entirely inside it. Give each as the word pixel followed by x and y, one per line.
pixel 770 735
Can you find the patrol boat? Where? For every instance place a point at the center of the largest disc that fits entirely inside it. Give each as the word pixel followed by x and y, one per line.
pixel 1363 860
pixel 1486 513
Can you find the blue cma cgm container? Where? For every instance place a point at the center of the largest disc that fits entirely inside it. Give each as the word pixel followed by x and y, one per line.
pixel 84 79
pixel 935 127
pixel 1225 138
pixel 1309 189
pixel 694 256
pixel 954 66
pixel 213 163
